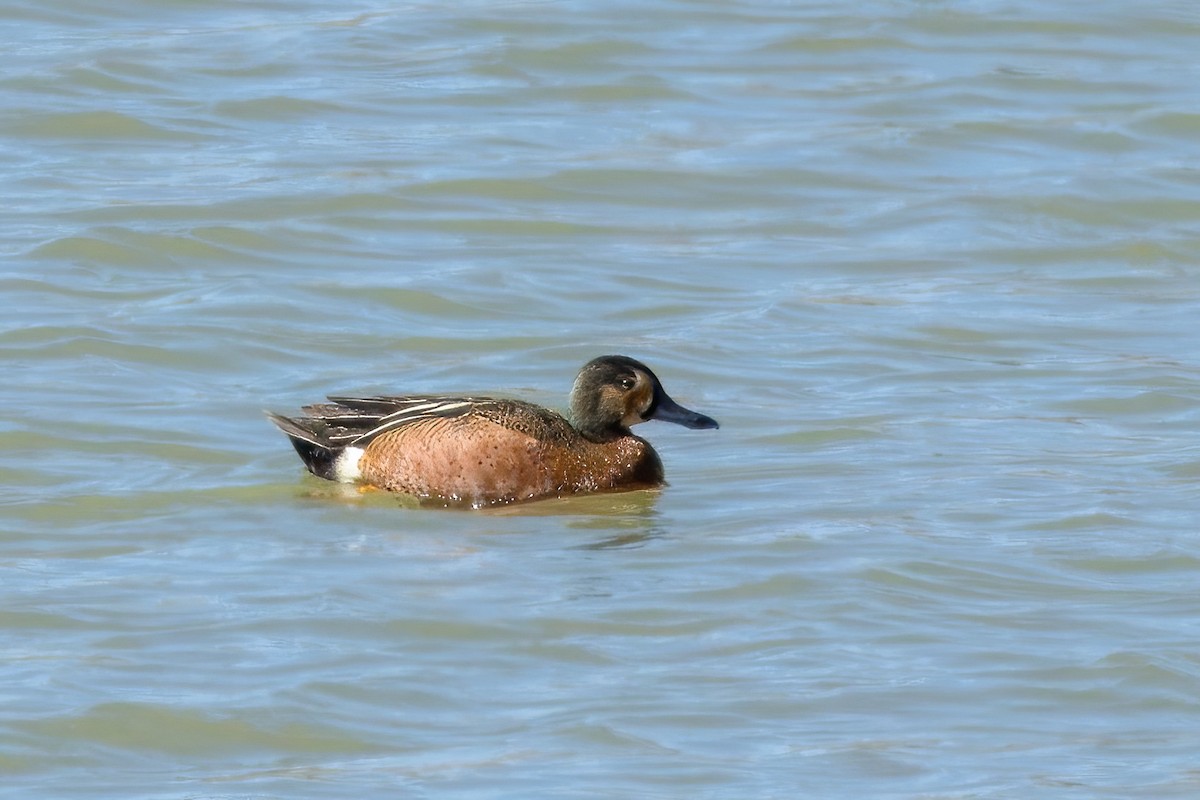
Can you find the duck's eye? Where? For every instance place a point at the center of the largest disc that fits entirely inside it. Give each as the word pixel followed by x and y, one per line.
pixel 626 383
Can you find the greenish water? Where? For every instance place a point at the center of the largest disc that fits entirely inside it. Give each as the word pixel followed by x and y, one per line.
pixel 932 266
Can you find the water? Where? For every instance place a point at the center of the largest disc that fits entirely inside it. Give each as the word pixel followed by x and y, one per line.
pixel 932 266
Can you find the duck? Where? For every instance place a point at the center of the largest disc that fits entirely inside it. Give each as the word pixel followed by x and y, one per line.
pixel 487 451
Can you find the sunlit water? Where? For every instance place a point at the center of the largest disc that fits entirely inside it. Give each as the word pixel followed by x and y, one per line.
pixel 933 267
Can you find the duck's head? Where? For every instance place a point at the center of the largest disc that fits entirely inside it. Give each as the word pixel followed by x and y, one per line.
pixel 613 393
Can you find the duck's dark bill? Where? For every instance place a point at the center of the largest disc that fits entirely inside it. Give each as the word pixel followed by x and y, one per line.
pixel 668 410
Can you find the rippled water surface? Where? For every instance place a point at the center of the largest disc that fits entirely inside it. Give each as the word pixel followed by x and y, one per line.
pixel 934 266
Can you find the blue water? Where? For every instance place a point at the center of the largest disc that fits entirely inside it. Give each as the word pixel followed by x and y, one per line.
pixel 933 267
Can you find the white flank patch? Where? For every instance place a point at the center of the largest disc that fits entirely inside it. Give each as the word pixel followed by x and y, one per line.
pixel 345 469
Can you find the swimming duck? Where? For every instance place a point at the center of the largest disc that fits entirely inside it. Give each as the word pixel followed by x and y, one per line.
pixel 487 451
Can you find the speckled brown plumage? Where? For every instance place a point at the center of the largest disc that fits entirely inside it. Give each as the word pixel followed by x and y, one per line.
pixel 474 457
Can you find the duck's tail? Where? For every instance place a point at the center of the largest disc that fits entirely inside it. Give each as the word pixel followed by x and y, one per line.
pixel 312 443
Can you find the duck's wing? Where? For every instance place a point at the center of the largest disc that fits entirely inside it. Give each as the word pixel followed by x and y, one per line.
pixel 357 420
pixel 325 430
pixel 361 419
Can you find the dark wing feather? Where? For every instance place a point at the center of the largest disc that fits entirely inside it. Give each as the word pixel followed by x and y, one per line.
pixel 358 420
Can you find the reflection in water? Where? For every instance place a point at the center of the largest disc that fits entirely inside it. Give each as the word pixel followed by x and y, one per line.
pixel 625 541
pixel 632 514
